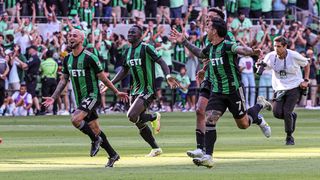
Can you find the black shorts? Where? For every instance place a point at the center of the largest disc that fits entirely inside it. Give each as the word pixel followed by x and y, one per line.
pixel 158 82
pixel 205 89
pixel 235 102
pixel 89 105
pixel 192 88
pixel 147 98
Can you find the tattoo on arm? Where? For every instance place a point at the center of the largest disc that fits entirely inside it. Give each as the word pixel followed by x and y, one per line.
pixel 102 77
pixel 194 49
pixel 62 84
pixel 246 51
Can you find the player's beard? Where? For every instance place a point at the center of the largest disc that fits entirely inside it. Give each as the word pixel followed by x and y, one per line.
pixel 74 45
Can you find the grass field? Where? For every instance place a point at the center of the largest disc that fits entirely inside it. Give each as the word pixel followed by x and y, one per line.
pixel 50 148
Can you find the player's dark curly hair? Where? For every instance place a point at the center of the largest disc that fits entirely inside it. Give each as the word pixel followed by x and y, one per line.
pixel 218 11
pixel 220 26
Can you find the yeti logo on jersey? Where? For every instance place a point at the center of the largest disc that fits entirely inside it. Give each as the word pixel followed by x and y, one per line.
pixel 135 62
pixel 216 61
pixel 77 72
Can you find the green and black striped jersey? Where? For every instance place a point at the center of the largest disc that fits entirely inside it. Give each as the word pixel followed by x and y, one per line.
pixel 115 3
pixel 138 5
pixel 179 53
pixel 86 15
pixel 223 70
pixel 10 3
pixel 83 70
pixel 141 62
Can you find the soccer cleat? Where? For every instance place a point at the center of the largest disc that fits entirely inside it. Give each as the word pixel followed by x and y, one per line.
pixel 206 161
pixel 264 103
pixel 112 160
pixel 264 126
pixel 290 140
pixel 198 153
pixel 95 145
pixel 156 124
pixel 155 152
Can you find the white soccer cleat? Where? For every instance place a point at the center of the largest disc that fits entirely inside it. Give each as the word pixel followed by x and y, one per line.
pixel 155 152
pixel 198 153
pixel 206 161
pixel 264 126
pixel 264 103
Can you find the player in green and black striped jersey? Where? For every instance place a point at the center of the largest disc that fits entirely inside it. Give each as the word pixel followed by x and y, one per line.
pixel 227 91
pixel 140 59
pixel 86 13
pixel 84 70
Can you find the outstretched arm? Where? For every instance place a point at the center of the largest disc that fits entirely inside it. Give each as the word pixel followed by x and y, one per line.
pixel 62 84
pixel 247 51
pixel 120 75
pixel 102 77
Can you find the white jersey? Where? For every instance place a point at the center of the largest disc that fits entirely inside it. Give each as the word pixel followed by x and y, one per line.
pixel 291 65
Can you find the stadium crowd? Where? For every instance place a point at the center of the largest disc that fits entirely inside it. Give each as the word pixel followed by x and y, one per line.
pixel 31 58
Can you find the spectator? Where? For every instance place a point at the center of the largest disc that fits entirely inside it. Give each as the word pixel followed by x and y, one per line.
pixel 4 71
pixel 151 9
pixel 266 9
pixel 256 9
pixel 241 28
pixel 232 8
pixel 86 12
pixel 10 7
pixel 21 102
pixel 116 9
pixel 138 10
pixel 313 88
pixel 303 15
pixel 124 9
pixel 107 8
pixel 4 21
pixel 163 10
pixel 166 51
pixel 14 81
pixel 184 81
pixel 159 75
pixel 25 22
pixel 279 9
pixel 244 7
pixel 247 77
pixel 176 8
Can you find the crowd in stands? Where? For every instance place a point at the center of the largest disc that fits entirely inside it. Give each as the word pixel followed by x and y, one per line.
pixel 31 56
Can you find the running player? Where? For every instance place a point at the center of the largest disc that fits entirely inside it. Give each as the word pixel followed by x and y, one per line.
pixel 84 69
pixel 140 60
pixel 226 91
pixel 205 90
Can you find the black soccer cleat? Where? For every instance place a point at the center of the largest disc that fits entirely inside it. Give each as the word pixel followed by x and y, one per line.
pixel 95 145
pixel 112 160
pixel 289 140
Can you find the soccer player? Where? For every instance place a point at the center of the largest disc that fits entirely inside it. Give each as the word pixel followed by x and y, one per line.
pixel 84 69
pixel 205 90
pixel 287 82
pixel 140 59
pixel 226 91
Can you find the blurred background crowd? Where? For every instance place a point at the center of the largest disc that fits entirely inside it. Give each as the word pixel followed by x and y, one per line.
pixel 33 39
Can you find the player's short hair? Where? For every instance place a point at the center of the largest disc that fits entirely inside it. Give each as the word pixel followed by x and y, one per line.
pixel 282 40
pixel 220 26
pixel 218 11
pixel 139 27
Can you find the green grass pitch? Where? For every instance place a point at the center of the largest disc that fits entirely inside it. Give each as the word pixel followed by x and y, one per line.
pixel 48 147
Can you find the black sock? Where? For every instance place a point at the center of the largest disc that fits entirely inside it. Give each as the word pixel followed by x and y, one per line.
pixel 289 133
pixel 146 134
pixel 147 117
pixel 106 145
pixel 210 138
pixel 253 113
pixel 84 127
pixel 200 139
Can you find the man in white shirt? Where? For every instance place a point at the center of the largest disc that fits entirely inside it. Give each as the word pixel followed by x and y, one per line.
pixel 287 82
pixel 22 101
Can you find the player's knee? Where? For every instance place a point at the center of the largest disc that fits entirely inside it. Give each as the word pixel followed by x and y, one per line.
pixel 278 114
pixel 200 111
pixel 132 117
pixel 243 125
pixel 213 117
pixel 76 121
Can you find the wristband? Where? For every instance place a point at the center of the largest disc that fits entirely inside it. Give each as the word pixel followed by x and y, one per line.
pixel 168 76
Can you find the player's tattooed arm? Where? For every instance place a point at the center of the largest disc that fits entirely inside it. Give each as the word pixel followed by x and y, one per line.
pixel 164 66
pixel 102 77
pixel 62 84
pixel 247 51
pixel 194 49
pixel 120 75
